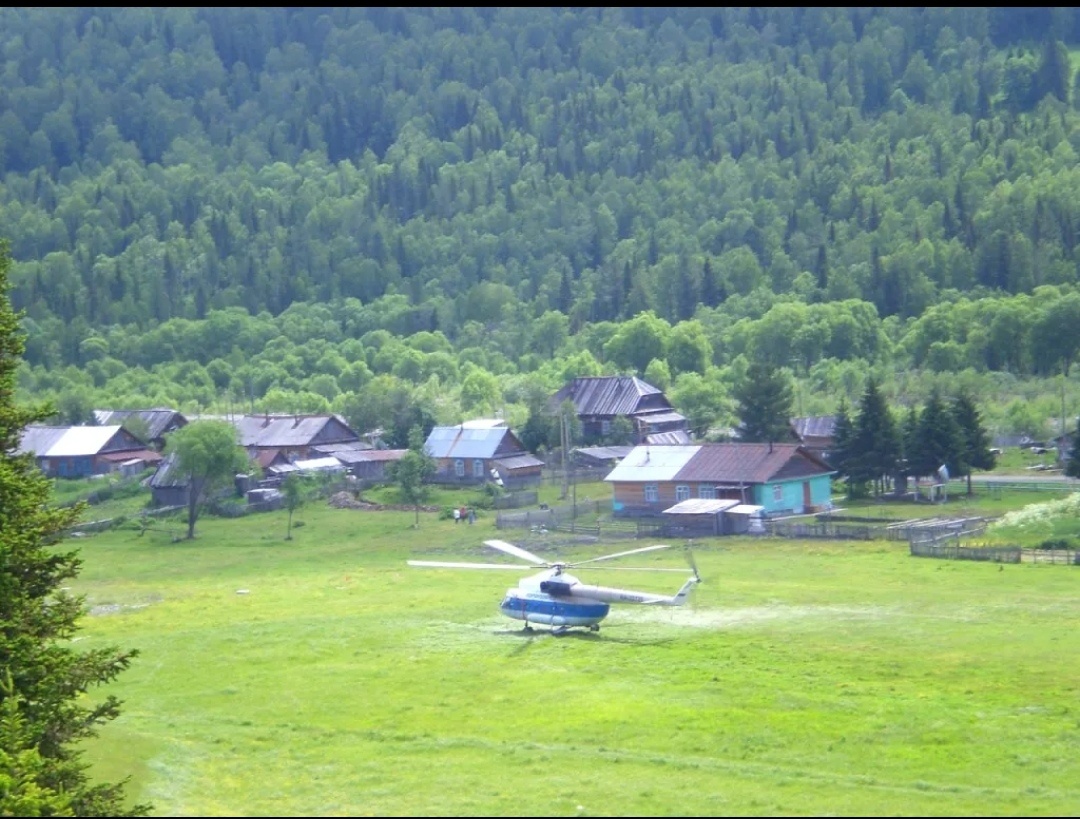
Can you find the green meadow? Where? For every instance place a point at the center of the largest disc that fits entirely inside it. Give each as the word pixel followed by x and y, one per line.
pixel 323 676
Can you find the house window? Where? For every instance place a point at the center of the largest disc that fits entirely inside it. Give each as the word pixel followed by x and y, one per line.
pixel 652 494
pixel 459 468
pixel 605 427
pixel 777 493
pixel 707 490
pixel 477 468
pixel 682 492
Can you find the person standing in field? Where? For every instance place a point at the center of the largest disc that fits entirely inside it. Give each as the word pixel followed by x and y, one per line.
pixel 457 514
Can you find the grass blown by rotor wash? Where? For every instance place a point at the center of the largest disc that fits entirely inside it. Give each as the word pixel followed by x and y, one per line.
pixel 804 678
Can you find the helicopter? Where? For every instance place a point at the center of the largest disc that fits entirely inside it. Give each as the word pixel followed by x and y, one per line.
pixel 557 599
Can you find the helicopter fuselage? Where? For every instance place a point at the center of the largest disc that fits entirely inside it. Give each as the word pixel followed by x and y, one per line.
pixel 549 599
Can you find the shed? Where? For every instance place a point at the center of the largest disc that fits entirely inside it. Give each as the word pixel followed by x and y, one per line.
pixel 700 517
pixel 744 519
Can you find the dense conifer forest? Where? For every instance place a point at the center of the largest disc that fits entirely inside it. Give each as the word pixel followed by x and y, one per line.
pixel 422 214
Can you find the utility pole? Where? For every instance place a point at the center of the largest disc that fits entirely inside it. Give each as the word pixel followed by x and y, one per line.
pixel 565 434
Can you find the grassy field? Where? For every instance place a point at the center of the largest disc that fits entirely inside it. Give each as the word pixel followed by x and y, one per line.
pixel 324 676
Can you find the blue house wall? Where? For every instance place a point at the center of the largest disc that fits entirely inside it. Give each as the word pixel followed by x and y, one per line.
pixel 791 494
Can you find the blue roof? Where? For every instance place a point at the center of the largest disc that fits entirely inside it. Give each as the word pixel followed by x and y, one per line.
pixel 464 442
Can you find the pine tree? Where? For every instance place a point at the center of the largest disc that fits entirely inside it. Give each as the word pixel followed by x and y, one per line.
pixel 974 439
pixel 764 404
pixel 41 697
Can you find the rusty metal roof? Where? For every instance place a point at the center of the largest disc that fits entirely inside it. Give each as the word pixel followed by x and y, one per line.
pixel 605 395
pixel 725 463
pixel 751 463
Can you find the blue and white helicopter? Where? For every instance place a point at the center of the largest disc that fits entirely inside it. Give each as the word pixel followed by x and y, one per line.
pixel 554 598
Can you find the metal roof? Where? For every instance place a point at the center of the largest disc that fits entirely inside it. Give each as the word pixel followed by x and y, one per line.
pixel 363 456
pixel 744 509
pixel 752 463
pixel 605 453
pixel 157 420
pixel 39 439
pixel 660 417
pixel 727 463
pixel 519 461
pixel 264 430
pixel 80 441
pixel 464 442
pixel 652 463
pixel 318 464
pixel 605 395
pixel 671 437
pixel 701 506
pixel 483 423
pixel 815 426
pixel 168 474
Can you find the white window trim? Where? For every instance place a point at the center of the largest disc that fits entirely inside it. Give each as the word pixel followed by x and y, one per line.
pixel 478 468
pixel 459 468
pixel 682 492
pixel 707 491
pixel 777 492
pixel 652 493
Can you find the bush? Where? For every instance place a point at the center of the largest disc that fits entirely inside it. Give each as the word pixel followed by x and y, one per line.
pixel 1056 543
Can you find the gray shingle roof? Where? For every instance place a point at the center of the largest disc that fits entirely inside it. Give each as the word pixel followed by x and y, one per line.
pixel 157 421
pixel 816 426
pixel 605 395
pixel 286 430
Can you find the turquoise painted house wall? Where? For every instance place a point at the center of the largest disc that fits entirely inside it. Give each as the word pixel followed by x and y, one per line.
pixel 791 494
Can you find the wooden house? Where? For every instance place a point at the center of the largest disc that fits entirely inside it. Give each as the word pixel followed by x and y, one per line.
pixel 599 401
pixel 477 451
pixel 157 423
pixel 80 451
pixel 266 436
pixel 780 478
pixel 817 433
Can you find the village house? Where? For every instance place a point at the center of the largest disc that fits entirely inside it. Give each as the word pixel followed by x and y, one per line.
pixel 815 432
pixel 269 438
pixel 779 478
pixel 599 401
pixel 154 423
pixel 80 451
pixel 477 451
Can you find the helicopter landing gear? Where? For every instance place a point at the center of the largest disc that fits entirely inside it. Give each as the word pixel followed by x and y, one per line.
pixel 594 627
pixel 527 627
pixel 559 631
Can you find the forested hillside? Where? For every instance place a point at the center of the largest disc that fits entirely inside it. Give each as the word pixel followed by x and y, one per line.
pixel 431 212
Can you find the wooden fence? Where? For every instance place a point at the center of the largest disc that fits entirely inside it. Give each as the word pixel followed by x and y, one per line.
pixel 826 529
pixel 996 554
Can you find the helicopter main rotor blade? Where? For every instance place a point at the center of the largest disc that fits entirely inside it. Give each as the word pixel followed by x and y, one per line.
pixel 517 552
pixel 641 569
pixel 620 554
pixel 440 564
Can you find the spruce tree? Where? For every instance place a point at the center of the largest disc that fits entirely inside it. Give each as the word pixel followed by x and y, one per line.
pixel 876 444
pixel 764 401
pixel 974 439
pixel 1072 465
pixel 43 715
pixel 938 440
pixel 840 453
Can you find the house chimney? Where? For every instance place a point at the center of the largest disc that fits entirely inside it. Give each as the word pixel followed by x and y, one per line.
pixel 296 421
pixel 266 422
